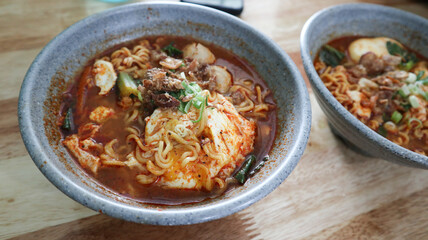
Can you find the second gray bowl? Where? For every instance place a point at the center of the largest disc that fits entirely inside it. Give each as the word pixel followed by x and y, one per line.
pixel 361 20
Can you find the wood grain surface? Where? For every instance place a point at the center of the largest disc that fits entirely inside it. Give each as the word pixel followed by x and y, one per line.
pixel 333 193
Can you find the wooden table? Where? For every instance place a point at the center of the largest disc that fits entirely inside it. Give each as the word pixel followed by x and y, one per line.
pixel 333 193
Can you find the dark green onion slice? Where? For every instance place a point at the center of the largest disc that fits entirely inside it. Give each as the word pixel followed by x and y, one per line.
pixel 419 76
pixel 382 131
pixel 259 166
pixel 242 174
pixel 68 123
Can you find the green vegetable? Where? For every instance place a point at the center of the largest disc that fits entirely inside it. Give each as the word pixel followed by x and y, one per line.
pixel 423 94
pixel 259 166
pixel 140 97
pixel 198 101
pixel 414 89
pixel 331 56
pixel 396 117
pixel 413 100
pixel 404 91
pixel 408 58
pixel 406 107
pixel 242 174
pixel 407 66
pixel 394 49
pixel 172 51
pixel 68 123
pixel 382 131
pixel 424 81
pixel 127 86
pixel 411 120
pixel 200 114
pixel 419 76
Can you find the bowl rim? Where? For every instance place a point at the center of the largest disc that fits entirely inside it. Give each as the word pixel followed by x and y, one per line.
pixel 166 216
pixel 405 154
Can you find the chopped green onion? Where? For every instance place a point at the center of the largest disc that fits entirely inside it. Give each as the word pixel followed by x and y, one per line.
pixel 140 97
pixel 242 174
pixel 411 120
pixel 382 131
pixel 413 88
pixel 187 107
pixel 424 94
pixel 396 117
pixel 126 85
pixel 407 66
pixel 411 78
pixel 420 75
pixel 404 91
pixel 413 100
pixel 200 114
pixel 68 123
pixel 259 166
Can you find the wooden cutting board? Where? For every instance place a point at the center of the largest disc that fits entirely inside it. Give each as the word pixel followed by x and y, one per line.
pixel 333 193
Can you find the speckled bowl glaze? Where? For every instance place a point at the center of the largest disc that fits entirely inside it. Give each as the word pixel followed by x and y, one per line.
pixel 363 20
pixel 58 63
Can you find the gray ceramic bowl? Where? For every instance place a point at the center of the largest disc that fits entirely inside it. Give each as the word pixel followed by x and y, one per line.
pixel 65 55
pixel 363 20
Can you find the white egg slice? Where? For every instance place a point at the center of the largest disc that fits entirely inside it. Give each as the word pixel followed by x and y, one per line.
pixel 362 46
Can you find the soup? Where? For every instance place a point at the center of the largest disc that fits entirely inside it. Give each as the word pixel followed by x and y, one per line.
pixel 168 120
pixel 382 83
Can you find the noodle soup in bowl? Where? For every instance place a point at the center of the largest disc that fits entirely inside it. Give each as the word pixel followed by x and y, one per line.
pixel 163 113
pixel 361 59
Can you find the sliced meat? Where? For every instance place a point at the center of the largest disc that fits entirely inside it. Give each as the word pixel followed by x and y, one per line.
pixel 158 55
pixel 165 100
pixel 372 63
pixel 358 71
pixel 199 52
pixel 399 75
pixel 158 81
pixel 192 66
pixel 390 60
pixel 171 63
pixel 222 78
